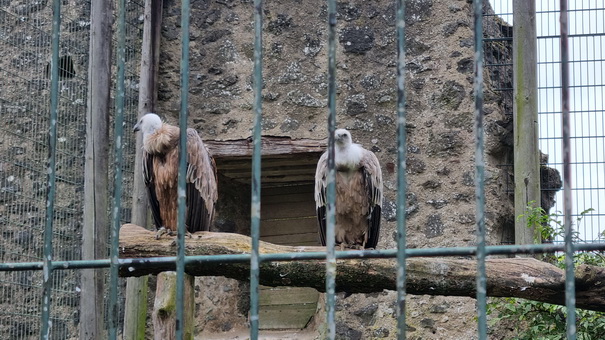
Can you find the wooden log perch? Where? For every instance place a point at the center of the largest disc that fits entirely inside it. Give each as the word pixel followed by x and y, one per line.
pixel 510 277
pixel 270 146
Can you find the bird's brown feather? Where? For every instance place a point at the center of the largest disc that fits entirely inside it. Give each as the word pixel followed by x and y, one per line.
pixel 161 175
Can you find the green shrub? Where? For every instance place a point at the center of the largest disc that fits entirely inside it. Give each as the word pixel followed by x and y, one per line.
pixel 537 320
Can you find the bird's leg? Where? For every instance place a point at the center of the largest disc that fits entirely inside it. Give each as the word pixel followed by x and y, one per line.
pixel 342 246
pixel 187 233
pixel 163 230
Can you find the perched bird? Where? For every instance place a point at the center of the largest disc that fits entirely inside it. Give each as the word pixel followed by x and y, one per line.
pixel 161 168
pixel 358 194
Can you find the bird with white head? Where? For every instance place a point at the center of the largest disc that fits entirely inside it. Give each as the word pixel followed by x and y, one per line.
pixel 160 170
pixel 358 194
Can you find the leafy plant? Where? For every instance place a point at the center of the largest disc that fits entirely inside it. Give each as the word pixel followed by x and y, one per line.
pixel 537 320
pixel 548 226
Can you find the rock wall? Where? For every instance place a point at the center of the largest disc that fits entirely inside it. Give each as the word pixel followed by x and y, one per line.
pixel 440 164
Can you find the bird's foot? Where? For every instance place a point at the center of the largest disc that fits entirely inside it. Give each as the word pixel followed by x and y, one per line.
pixel 174 242
pixel 162 231
pixel 345 246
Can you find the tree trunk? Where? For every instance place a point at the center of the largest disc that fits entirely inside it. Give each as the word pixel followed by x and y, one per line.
pixel 525 278
pixel 164 307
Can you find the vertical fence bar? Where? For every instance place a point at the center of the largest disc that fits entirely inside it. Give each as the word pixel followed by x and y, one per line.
pixel 118 165
pixel 570 296
pixel 256 169
pixel 331 178
pixel 52 152
pixel 401 171
pixel 480 171
pixel 180 264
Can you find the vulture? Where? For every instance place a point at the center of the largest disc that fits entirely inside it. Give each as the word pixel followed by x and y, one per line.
pixel 358 194
pixel 161 168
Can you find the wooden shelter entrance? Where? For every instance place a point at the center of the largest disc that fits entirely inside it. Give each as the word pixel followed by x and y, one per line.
pixel 287 213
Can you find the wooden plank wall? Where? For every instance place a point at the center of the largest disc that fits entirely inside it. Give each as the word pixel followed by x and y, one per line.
pixel 288 218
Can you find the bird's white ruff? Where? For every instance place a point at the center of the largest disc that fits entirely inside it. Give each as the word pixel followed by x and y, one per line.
pixel 148 124
pixel 346 153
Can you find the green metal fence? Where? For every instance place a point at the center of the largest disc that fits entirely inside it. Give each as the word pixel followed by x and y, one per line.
pixel 43 99
pixel 49 271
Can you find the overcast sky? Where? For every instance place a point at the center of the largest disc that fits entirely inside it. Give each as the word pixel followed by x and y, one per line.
pixel 587 40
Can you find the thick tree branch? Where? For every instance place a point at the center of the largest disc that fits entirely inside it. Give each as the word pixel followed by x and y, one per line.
pixel 511 277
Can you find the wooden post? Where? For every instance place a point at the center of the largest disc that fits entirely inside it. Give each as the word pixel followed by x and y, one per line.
pixel 135 314
pixel 164 307
pixel 525 117
pixel 96 182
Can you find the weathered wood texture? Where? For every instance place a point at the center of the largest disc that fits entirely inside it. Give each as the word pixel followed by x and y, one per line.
pixel 96 165
pixel 135 314
pixel 525 116
pixel 270 145
pixel 511 277
pixel 285 160
pixel 288 218
pixel 164 307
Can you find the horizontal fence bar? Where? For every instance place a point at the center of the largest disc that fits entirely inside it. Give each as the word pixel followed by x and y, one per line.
pixel 581 35
pixel 341 255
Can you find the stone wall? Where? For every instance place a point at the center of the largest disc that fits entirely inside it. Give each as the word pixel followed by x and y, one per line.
pixel 440 164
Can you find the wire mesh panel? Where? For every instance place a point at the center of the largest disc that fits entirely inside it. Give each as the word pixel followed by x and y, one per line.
pixel 25 72
pixel 134 10
pixel 24 107
pixel 133 17
pixel 586 38
pixel 587 126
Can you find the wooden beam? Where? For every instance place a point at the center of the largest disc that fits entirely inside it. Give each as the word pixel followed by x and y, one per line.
pixel 526 278
pixel 135 313
pixel 96 165
pixel 525 117
pixel 271 146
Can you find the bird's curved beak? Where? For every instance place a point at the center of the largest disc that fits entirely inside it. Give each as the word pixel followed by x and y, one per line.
pixel 136 128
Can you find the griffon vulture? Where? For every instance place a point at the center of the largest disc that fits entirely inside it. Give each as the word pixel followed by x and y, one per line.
pixel 160 169
pixel 358 194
